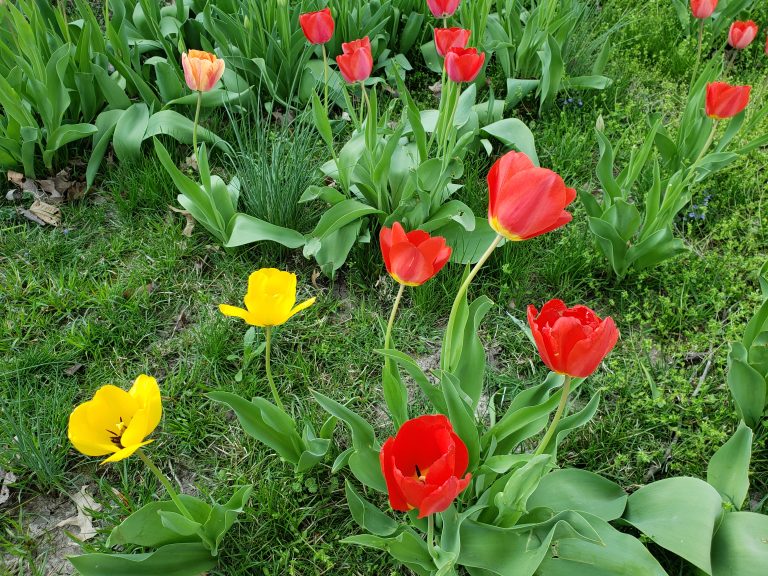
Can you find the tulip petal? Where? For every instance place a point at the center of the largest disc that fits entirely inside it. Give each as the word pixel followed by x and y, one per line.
pixel 85 439
pixel 235 312
pixel 439 500
pixel 396 498
pixel 125 452
pixel 147 394
pixel 586 355
pixel 304 305
pixel 501 171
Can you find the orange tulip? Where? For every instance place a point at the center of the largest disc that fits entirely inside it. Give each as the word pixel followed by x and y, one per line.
pixel 202 70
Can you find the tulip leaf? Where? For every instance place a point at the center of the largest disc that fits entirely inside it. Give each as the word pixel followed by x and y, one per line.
pixel 246 229
pixel 129 132
pixel 178 523
pixel 512 501
pixel 170 560
pixel 461 416
pixel 580 490
pixel 740 546
pixel 407 548
pixel 214 98
pixel 513 133
pixel 728 469
pixel 367 515
pixel 747 385
pixel 417 374
pixel 222 517
pixel 679 514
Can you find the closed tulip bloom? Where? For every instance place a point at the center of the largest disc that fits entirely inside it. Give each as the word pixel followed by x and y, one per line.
pixel 317 26
pixel 202 70
pixel 442 8
pixel 525 201
pixel 571 341
pixel 424 465
pixel 724 100
pixel 116 422
pixel 356 62
pixel 741 34
pixel 412 258
pixel 703 8
pixel 270 300
pixel 447 38
pixel 463 64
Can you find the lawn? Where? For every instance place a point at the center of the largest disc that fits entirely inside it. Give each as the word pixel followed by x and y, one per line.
pixel 119 289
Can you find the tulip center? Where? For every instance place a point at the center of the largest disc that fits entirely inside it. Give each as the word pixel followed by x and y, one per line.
pixel 117 436
pixel 421 476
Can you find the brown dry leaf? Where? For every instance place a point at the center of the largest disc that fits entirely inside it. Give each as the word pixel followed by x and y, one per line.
pixel 190 163
pixel 16 178
pixel 54 196
pixel 181 321
pixel 83 501
pixel 315 276
pixel 74 369
pixel 46 212
pixel 436 88
pixel 190 221
pixel 13 195
pixel 6 478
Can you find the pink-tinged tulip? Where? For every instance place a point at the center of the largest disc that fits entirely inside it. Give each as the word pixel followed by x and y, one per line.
pixel 356 62
pixel 463 64
pixel 317 26
pixel 424 465
pixel 202 70
pixel 571 341
pixel 412 258
pixel 442 8
pixel 703 8
pixel 724 100
pixel 524 200
pixel 447 38
pixel 766 45
pixel 741 34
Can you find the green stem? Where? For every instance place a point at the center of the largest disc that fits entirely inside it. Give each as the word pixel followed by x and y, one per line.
pixel 268 367
pixel 431 535
pixel 395 306
pixel 698 53
pixel 706 145
pixel 165 482
pixel 325 76
pixel 558 416
pixel 463 291
pixel 194 128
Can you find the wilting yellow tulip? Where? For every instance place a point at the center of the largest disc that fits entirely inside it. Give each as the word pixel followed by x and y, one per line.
pixel 271 299
pixel 202 70
pixel 115 421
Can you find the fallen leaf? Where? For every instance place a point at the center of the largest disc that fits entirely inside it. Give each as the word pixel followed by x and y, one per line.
pixel 436 88
pixel 74 369
pixel 190 163
pixel 29 216
pixel 6 478
pixel 181 321
pixel 13 195
pixel 83 501
pixel 16 177
pixel 49 187
pixel 315 276
pixel 190 221
pixel 46 212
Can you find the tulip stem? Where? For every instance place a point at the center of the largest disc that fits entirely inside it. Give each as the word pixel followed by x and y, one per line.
pixel 268 367
pixel 395 306
pixel 463 292
pixel 399 410
pixel 431 535
pixel 707 144
pixel 698 53
pixel 194 128
pixel 325 75
pixel 165 482
pixel 558 415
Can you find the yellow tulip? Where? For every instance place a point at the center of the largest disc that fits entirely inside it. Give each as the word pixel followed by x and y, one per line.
pixel 116 422
pixel 270 301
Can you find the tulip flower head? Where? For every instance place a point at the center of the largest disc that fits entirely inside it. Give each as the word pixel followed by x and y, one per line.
pixel 724 100
pixel 463 64
pixel 270 300
pixel 703 8
pixel 317 26
pixel 424 465
pixel 571 341
pixel 525 201
pixel 447 38
pixel 442 8
pixel 356 62
pixel 412 258
pixel 202 70
pixel 116 422
pixel 741 34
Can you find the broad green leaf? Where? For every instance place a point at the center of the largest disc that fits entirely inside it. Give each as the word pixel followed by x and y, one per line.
pixel 513 133
pixel 518 89
pixel 367 515
pixel 223 516
pixel 586 83
pixel 407 548
pixel 467 246
pixel 247 229
pixel 144 528
pixel 129 132
pixel 580 490
pixel 214 98
pixel 462 416
pixel 414 371
pixel 740 547
pixel 179 523
pixel 679 514
pixel 171 560
pixel 728 469
pixel 340 215
pixel 747 386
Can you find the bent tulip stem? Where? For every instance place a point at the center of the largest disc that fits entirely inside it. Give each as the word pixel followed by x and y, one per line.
pixel 431 535
pixel 707 144
pixel 465 286
pixel 325 76
pixel 194 128
pixel 268 367
pixel 166 483
pixel 395 306
pixel 558 415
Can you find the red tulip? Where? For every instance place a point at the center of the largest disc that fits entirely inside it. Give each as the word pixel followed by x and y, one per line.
pixel 443 8
pixel 447 38
pixel 703 8
pixel 412 258
pixel 317 26
pixel 525 201
pixel 724 100
pixel 766 45
pixel 463 64
pixel 202 70
pixel 423 465
pixel 571 341
pixel 356 63
pixel 741 34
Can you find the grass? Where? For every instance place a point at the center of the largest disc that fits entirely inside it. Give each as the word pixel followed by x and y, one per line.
pixel 118 290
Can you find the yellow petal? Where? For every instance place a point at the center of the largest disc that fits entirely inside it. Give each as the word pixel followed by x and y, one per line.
pixel 236 312
pixel 85 439
pixel 125 452
pixel 93 424
pixel 146 392
pixel 302 306
pixel 137 430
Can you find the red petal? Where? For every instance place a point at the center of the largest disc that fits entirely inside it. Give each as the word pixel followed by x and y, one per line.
pixel 396 498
